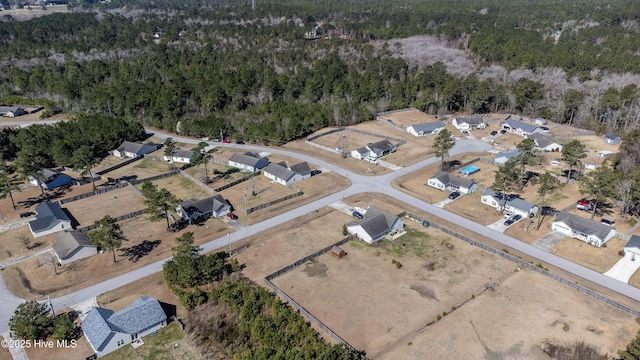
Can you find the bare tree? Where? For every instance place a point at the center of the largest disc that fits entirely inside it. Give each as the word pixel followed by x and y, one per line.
pixel 624 189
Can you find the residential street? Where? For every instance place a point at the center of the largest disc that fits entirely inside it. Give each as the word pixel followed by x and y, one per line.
pixel 359 184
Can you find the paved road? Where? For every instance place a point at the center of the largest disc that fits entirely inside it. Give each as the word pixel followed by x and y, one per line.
pixel 359 184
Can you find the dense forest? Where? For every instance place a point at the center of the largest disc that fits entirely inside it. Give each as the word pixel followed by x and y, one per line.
pixel 287 68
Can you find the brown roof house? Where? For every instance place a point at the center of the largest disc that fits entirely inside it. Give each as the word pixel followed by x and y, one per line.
pixel 70 246
pixel 375 225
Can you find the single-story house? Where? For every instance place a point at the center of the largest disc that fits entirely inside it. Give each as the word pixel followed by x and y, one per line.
pixel 180 155
pixel 50 218
pixel 375 225
pixel 107 330
pixel 584 229
pixel 70 246
pixel 374 150
pixel 612 139
pixel 432 128
pixel 502 157
pixel 248 161
pixel 280 173
pixel 445 181
pixel 468 123
pixel 540 121
pixel 215 206
pixel 134 149
pixel 11 111
pixel 513 204
pixel 632 247
pixel 544 143
pixel 51 179
pixel 520 128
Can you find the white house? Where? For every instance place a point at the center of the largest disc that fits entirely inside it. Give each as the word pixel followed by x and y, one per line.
pixel 612 139
pixel 468 123
pixel 215 206
pixel 544 143
pixel 70 246
pixel 50 179
pixel 11 111
pixel 374 150
pixel 520 128
pixel 280 173
pixel 180 155
pixel 107 330
pixel 134 149
pixel 248 162
pixel 513 204
pixel 540 121
pixel 432 128
pixel 446 181
pixel 502 157
pixel 632 247
pixel 375 225
pixel 587 230
pixel 50 218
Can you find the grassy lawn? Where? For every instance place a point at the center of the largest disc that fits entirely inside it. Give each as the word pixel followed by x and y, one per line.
pixel 162 345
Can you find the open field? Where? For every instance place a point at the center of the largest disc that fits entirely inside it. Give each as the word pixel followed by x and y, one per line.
pixel 470 207
pixel 12 246
pixel 107 162
pixel 530 235
pixel 113 203
pixel 599 259
pixel 214 169
pixel 181 187
pixel 167 343
pixel 141 169
pixel 508 139
pixel 81 351
pixel 349 139
pixel 408 117
pixel 36 11
pixel 147 242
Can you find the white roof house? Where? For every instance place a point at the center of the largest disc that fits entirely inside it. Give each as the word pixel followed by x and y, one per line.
pixel 584 229
pixel 180 155
pixel 445 181
pixel 432 128
pixel 467 123
pixel 544 143
pixel 280 173
pixel 520 128
pixel 375 225
pixel 513 204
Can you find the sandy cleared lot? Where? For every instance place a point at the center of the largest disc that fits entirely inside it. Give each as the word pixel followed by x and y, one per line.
pixel 470 207
pixel 12 246
pixel 181 187
pixel 113 203
pixel 599 259
pixel 408 117
pixel 141 169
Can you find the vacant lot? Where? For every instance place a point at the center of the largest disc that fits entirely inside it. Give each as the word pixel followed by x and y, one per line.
pixel 13 246
pixel 81 351
pixel 408 117
pixel 147 242
pixel 181 187
pixel 599 259
pixel 470 207
pixel 113 203
pixel 141 169
pixel 218 174
pixel 349 140
pixel 36 11
pixel 508 139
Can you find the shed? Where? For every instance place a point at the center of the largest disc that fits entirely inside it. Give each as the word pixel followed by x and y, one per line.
pixel 337 251
pixel 612 139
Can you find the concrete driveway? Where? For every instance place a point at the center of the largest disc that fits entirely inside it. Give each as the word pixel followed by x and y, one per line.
pixel 624 268
pixel 549 241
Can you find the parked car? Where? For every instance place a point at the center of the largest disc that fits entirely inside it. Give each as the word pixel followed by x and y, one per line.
pixel 503 131
pixel 26 214
pixel 494 133
pixel 232 216
pixel 544 129
pixel 508 214
pixel 357 215
pixel 226 141
pixel 205 139
pixel 516 218
pixel 454 195
pixel 240 142
pixel 583 205
pixel 509 222
pixel 466 132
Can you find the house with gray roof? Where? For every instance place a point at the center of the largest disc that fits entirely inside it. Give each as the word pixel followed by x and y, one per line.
pixel 216 206
pixel 11 111
pixel 134 149
pixel 520 128
pixel 280 173
pixel 376 225
pixel 445 181
pixel 587 230
pixel 248 161
pixel 612 139
pixel 374 150
pixel 431 128
pixel 70 246
pixel 511 203
pixel 469 122
pixel 544 143
pixel 50 218
pixel 51 179
pixel 107 330
pixel 180 155
pixel 632 247
pixel 502 157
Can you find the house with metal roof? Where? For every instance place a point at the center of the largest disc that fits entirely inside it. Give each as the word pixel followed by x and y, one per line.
pixel 280 173
pixel 248 161
pixel 134 149
pixel 445 181
pixel 107 330
pixel 216 206
pixel 431 128
pixel 544 143
pixel 584 229
pixel 50 218
pixel 502 157
pixel 520 128
pixel 612 139
pixel 376 225
pixel 51 179
pixel 11 111
pixel 70 246
pixel 374 150
pixel 180 155
pixel 469 122
pixel 511 203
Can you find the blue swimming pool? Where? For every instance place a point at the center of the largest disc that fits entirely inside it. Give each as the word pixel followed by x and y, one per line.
pixel 469 170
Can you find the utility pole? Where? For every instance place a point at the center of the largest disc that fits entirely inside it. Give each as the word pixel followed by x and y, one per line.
pixel 244 192
pixel 229 241
pixel 253 4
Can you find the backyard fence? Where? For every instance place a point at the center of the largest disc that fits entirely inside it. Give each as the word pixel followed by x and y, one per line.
pixel 115 167
pixel 135 189
pixel 399 141
pixel 90 194
pixel 456 167
pixel 223 187
pixel 200 183
pixel 151 178
pixel 273 202
pixel 325 148
pixel 119 218
pixel 299 307
pixel 527 265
